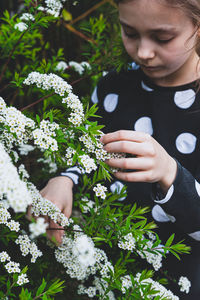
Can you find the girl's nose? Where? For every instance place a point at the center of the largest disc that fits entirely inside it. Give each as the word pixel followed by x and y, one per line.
pixel 145 51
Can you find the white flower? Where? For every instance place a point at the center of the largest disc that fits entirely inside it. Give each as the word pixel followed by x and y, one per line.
pixel 161 290
pixel 79 67
pixel 185 284
pixel 14 189
pixel 25 149
pixel 84 249
pixel 21 26
pixel 26 247
pixel 12 267
pixel 4 256
pixel 14 226
pixel 100 191
pixel 27 17
pixel 88 163
pixel 22 279
pixel 38 228
pixel 128 243
pixel 61 66
pixel 126 283
pixel 49 81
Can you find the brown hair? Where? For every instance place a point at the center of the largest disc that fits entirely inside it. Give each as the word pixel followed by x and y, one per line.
pixel 190 7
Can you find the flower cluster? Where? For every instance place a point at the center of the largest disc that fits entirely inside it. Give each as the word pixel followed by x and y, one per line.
pixel 126 283
pixel 22 279
pixel 87 204
pixel 77 114
pixel 83 249
pixel 185 284
pixel 27 17
pixel 69 154
pixel 48 81
pixel 5 218
pixel 80 258
pixel 97 148
pixel 128 242
pixel 99 287
pixel 61 66
pixel 21 26
pixel 37 228
pixel 43 136
pixel 155 259
pixel 100 190
pixel 79 67
pixel 42 206
pixel 13 267
pixel 19 126
pixel 53 7
pixel 12 188
pixel 161 290
pixel 87 163
pixel 26 247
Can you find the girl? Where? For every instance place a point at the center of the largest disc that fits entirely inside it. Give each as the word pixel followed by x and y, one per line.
pixel 152 113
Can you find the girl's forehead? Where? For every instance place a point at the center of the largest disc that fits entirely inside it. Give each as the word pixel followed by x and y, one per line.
pixel 151 14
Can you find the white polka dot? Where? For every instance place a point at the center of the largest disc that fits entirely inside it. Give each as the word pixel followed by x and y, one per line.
pixel 144 124
pixel 186 143
pixel 197 185
pixel 160 216
pixel 145 87
pixel 195 235
pixel 110 102
pixel 184 99
pixel 94 97
pixel 116 187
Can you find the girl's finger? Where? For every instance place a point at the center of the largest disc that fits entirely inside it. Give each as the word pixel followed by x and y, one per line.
pixel 143 176
pixel 135 148
pixel 125 135
pixel 137 163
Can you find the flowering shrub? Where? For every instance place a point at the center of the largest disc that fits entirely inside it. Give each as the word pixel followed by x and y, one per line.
pixel 103 238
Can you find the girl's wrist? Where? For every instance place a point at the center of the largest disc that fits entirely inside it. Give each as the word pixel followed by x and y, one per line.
pixel 169 175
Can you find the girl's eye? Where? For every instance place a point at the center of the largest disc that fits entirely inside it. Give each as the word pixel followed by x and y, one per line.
pixel 163 41
pixel 130 35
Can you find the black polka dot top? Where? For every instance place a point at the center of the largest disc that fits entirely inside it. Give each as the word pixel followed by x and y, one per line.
pixel 130 101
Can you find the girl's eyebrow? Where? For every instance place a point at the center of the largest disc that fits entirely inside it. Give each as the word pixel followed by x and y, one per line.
pixel 161 29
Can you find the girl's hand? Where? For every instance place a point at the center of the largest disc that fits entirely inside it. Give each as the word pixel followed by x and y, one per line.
pixel 59 191
pixel 151 163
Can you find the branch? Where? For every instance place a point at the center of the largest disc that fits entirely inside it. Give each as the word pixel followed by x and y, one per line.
pixel 38 101
pixel 78 33
pixel 89 11
pixel 10 55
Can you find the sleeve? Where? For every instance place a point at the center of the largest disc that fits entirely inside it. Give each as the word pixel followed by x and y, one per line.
pixel 73 173
pixel 182 202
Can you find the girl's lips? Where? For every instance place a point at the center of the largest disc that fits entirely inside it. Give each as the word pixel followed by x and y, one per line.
pixel 150 68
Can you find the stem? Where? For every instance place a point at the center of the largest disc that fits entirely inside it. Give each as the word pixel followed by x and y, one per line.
pixel 89 11
pixel 10 288
pixel 10 55
pixel 80 34
pixel 38 101
pixel 5 87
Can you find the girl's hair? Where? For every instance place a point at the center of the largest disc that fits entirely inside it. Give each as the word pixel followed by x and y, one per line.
pixel 190 7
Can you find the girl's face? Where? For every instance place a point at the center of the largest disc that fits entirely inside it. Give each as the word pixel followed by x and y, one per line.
pixel 161 39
